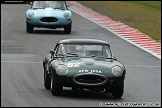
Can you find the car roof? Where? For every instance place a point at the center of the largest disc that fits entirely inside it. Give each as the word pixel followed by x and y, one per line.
pixel 82 40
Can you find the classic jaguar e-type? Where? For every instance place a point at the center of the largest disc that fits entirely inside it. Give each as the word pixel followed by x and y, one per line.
pixel 48 14
pixel 83 64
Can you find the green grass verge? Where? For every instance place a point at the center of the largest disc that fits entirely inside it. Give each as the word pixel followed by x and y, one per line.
pixel 142 15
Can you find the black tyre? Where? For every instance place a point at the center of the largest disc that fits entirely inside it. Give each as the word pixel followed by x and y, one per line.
pixel 26 1
pixel 56 89
pixel 117 92
pixel 74 88
pixel 29 27
pixel 47 79
pixel 67 29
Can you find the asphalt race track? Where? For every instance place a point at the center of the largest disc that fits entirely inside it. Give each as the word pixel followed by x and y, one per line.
pixel 22 71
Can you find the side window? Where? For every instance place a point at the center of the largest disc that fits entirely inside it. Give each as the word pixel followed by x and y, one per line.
pixel 61 49
pixel 106 50
pixel 58 50
pixel 65 5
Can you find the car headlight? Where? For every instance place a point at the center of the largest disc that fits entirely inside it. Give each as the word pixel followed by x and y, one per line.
pixel 117 71
pixel 31 14
pixel 61 70
pixel 66 15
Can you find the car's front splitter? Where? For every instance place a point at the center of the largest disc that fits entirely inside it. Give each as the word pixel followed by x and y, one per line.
pixel 89 80
pixel 38 23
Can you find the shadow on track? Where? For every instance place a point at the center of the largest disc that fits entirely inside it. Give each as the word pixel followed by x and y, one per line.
pixel 86 94
pixel 48 32
pixel 13 2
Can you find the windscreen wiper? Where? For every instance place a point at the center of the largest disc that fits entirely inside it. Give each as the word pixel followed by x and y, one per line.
pixel 102 57
pixel 38 8
pixel 72 54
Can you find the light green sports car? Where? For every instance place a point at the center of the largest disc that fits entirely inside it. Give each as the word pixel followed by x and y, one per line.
pixel 83 64
pixel 48 14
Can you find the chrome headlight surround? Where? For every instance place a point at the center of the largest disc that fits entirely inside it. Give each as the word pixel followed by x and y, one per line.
pixel 31 14
pixel 61 70
pixel 66 14
pixel 117 71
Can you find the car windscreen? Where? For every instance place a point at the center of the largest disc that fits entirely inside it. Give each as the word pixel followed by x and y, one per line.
pixel 85 50
pixel 49 4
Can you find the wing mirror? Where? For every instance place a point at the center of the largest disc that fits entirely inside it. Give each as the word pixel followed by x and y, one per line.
pixel 113 57
pixel 52 52
pixel 30 3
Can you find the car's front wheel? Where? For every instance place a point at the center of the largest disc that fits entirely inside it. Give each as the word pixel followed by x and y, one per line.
pixel 56 89
pixel 67 28
pixel 117 92
pixel 29 27
pixel 47 79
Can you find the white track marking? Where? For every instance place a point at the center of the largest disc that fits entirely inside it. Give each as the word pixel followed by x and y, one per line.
pixel 141 66
pixel 20 62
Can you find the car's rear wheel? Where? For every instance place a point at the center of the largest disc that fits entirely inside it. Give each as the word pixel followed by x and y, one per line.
pixel 67 28
pixel 29 27
pixel 56 89
pixel 47 79
pixel 117 92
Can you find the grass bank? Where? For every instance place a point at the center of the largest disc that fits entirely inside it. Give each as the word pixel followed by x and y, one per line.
pixel 142 15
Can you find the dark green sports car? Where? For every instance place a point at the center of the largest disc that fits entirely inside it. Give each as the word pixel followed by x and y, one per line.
pixel 83 64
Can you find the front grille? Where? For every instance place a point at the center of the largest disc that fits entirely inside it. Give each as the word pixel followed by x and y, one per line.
pixel 90 79
pixel 49 19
